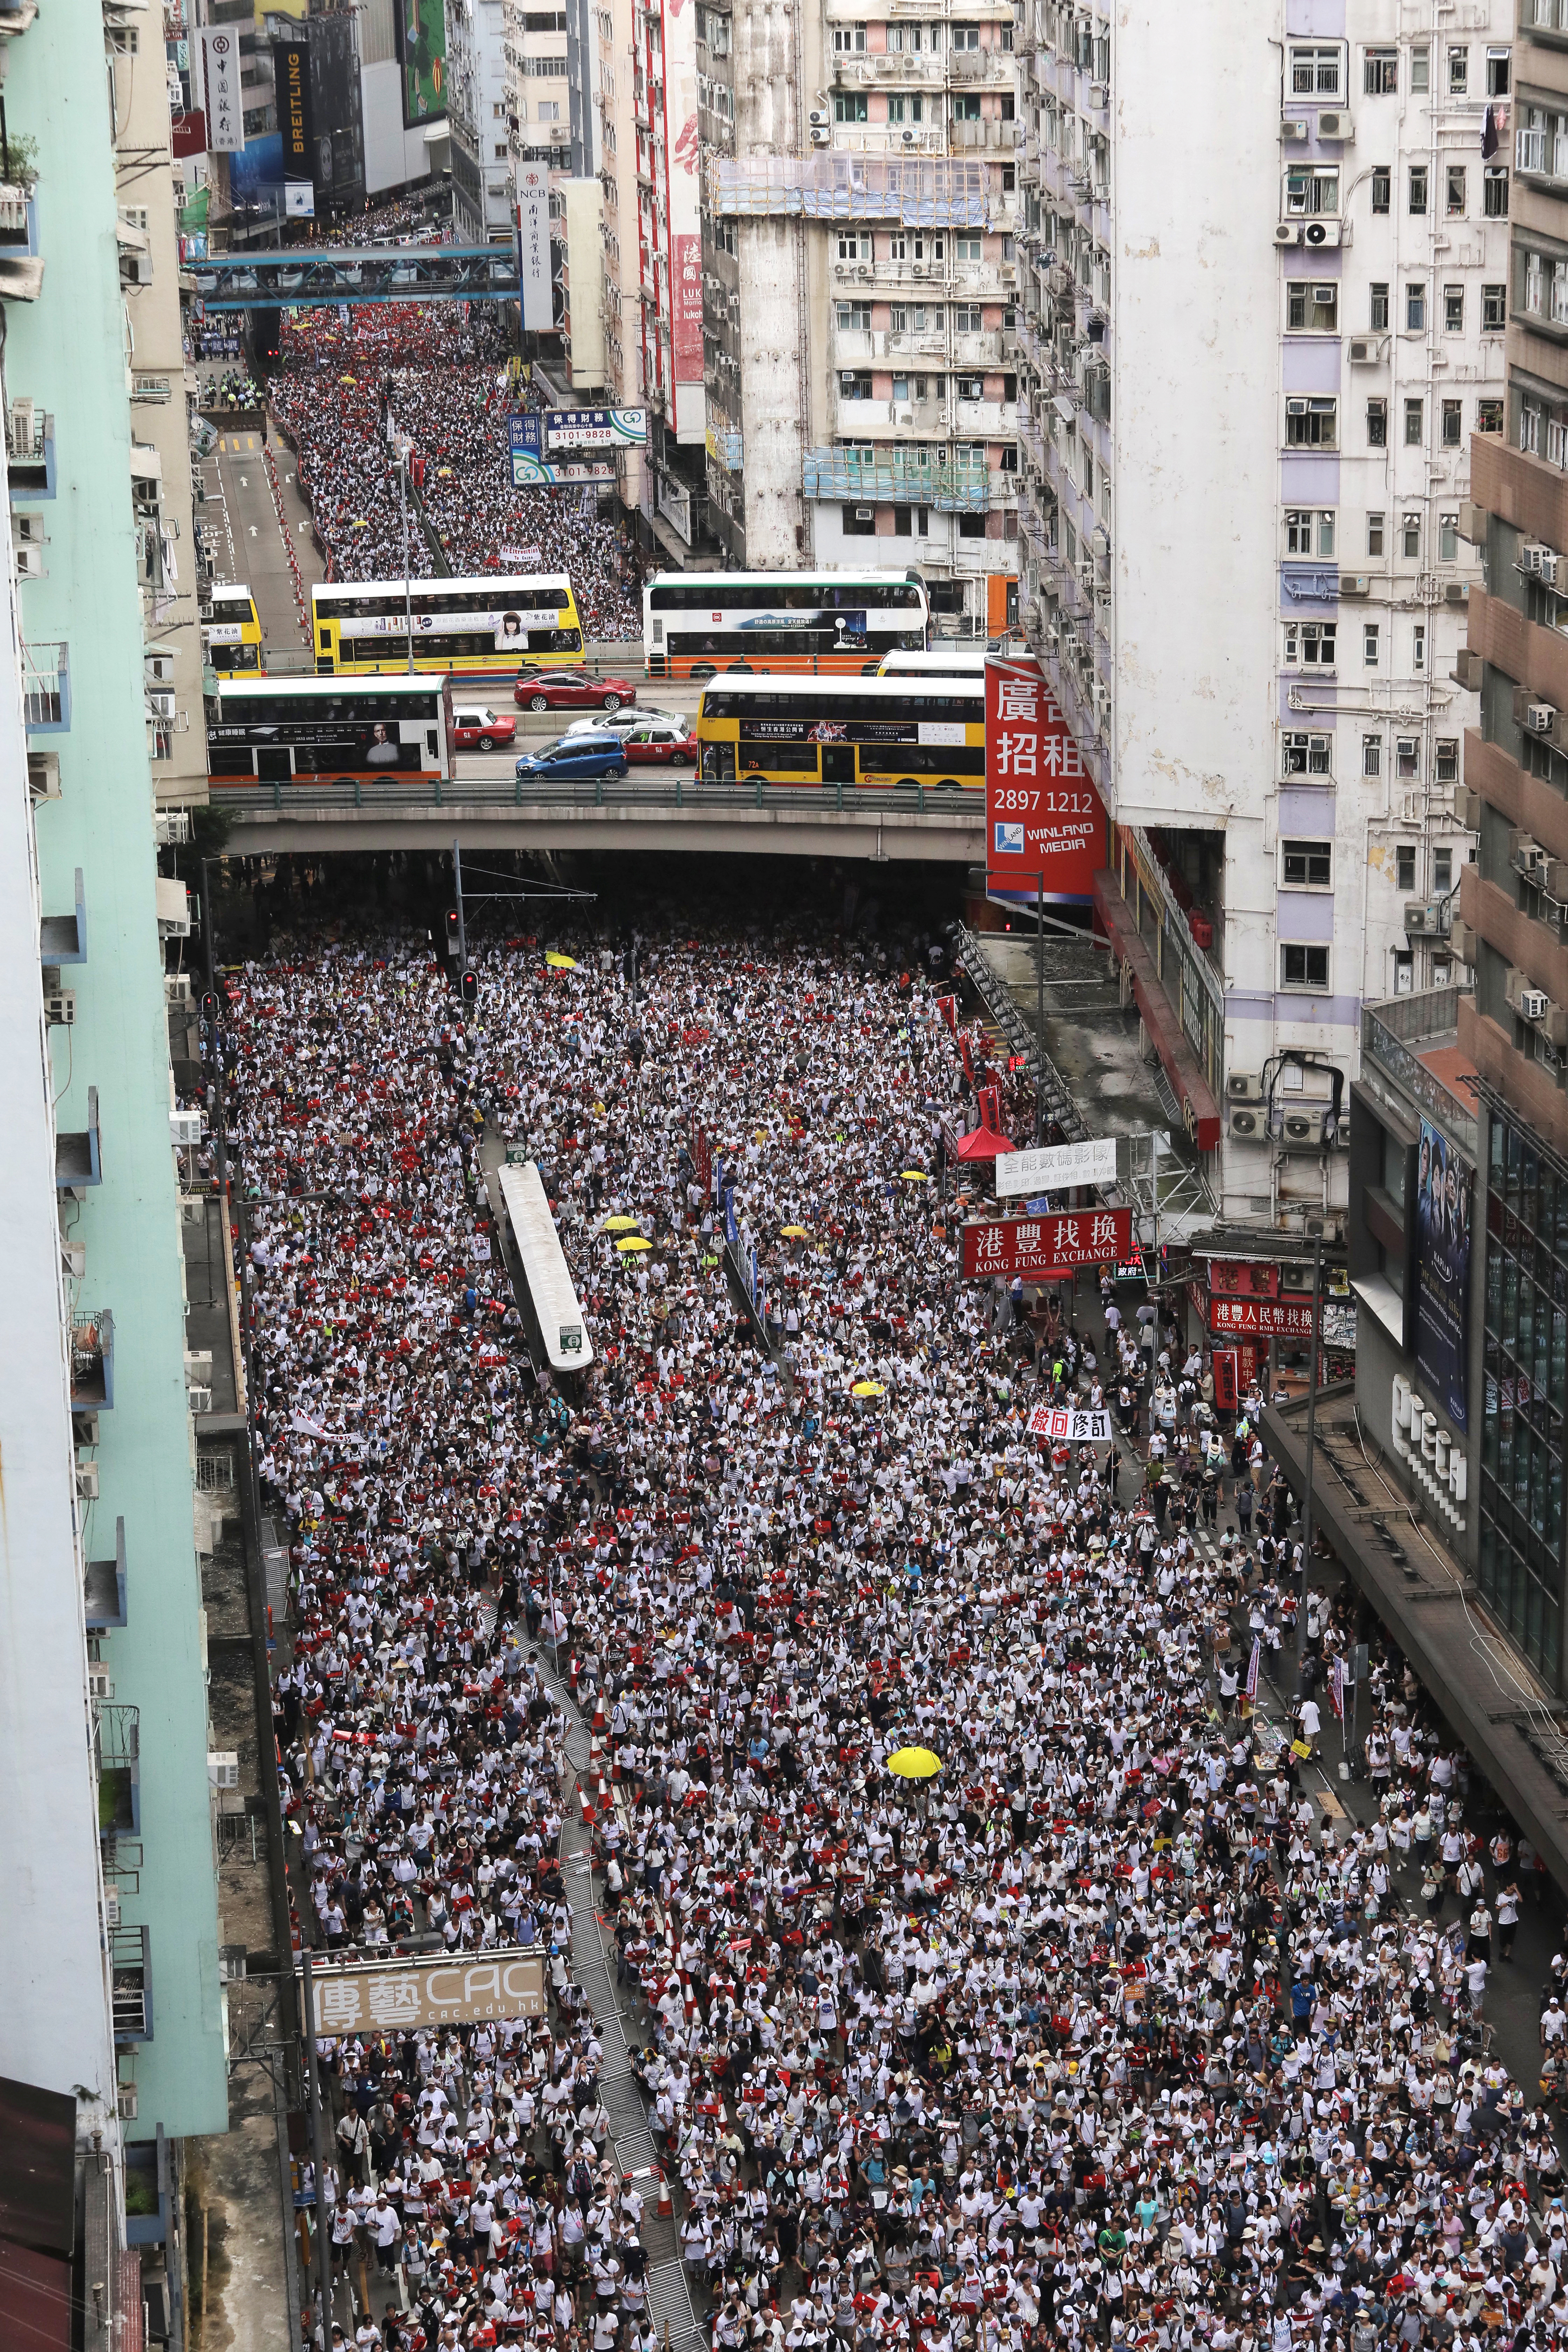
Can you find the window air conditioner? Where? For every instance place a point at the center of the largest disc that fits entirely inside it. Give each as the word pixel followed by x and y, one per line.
pixel 1539 717
pixel 223 1768
pixel 1550 560
pixel 1247 1124
pixel 86 1481
pixel 161 704
pixel 61 1008
pixel 1335 124
pixel 1244 1085
pixel 29 562
pixel 111 1919
pixel 1531 556
pixel 1555 880
pixel 865 514
pixel 1294 128
pixel 177 988
pixel 184 1128
pixel 125 2102
pixel 1533 1003
pixel 1320 234
pixel 99 1684
pixel 1355 583
pixel 1295 408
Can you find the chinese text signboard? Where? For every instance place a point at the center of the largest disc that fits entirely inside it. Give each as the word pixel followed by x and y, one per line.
pixel 220 72
pixel 533 248
pixel 402 1995
pixel 687 295
pixel 1091 1162
pixel 1443 1189
pixel 1041 1249
pixel 1261 1318
pixel 1043 815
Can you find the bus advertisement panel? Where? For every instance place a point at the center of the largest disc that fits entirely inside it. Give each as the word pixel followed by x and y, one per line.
pixel 696 624
pixel 281 731
pixel 878 731
pixel 474 626
pixel 1045 828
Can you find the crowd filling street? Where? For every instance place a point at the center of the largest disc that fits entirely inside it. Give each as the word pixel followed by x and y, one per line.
pixel 1109 2032
pixel 440 371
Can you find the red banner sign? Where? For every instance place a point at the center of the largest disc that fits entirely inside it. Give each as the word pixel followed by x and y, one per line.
pixel 686 302
pixel 1043 815
pixel 1242 1278
pixel 1266 1318
pixel 1043 1248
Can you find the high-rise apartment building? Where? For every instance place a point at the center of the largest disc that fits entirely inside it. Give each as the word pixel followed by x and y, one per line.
pixel 1248 395
pixel 535 47
pixel 620 293
pixel 100 600
pixel 670 277
pixel 479 106
pixel 858 291
pixel 1513 1030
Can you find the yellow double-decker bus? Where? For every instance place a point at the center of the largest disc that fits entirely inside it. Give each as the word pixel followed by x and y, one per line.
pixel 477 628
pixel 844 731
pixel 230 639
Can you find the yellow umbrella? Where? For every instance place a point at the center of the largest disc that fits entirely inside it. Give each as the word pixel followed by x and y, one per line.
pixel 560 963
pixel 913 1763
pixel 868 1388
pixel 620 1226
pixel 633 1242
pixel 792 1232
pixel 348 379
pixel 915 1176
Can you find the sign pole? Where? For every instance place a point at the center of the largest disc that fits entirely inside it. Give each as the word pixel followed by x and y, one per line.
pixel 1311 1439
pixel 1040 1012
pixel 319 2160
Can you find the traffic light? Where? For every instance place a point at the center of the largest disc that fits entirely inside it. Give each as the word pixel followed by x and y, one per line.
pixel 454 932
pixel 469 984
pixel 210 1008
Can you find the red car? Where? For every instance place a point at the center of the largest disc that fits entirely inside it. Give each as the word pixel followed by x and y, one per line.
pixel 475 727
pixel 659 740
pixel 571 689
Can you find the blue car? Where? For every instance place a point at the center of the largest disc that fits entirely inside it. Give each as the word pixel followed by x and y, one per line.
pixel 574 756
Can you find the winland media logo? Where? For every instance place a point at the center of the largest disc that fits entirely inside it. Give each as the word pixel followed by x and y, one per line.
pixel 1010 840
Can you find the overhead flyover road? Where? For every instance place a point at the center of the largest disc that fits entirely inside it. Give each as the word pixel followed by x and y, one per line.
pixel 314 275
pixel 902 823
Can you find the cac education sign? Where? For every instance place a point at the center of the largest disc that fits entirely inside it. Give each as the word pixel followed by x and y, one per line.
pixel 402 1995
pixel 1044 824
pixel 1040 1249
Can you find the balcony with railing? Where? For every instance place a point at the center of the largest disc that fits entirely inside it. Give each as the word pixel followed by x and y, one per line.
pixel 117 1766
pixel 21 269
pixel 29 450
pixel 130 1983
pixel 46 688
pixel 104 1588
pixel 1414 1040
pixel 92 1362
pixel 959 487
pixel 79 1159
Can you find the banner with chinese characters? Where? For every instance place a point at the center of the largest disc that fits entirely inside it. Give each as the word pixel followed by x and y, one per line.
pixel 533 249
pixel 1261 1318
pixel 402 1995
pixel 1036 1170
pixel 1065 1424
pixel 1043 816
pixel 1041 1249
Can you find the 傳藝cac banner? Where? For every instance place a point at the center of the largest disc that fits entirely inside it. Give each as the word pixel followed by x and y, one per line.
pixel 1444 1193
pixel 1043 816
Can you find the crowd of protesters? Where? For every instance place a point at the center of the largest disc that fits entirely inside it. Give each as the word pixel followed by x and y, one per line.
pixel 438 371
pixel 1110 2033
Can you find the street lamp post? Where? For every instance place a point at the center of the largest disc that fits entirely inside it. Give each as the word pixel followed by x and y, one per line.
pixel 1312 1440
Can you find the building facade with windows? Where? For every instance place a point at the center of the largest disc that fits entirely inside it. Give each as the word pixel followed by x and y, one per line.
pixel 620 293
pixel 535 47
pixel 80 459
pixel 858 288
pixel 674 506
pixel 1243 556
pixel 479 106
pixel 1513 933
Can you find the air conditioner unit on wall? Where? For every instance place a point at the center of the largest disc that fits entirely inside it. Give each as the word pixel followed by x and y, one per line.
pixel 1247 1124
pixel 1533 1003
pixel 1320 234
pixel 1243 1085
